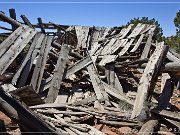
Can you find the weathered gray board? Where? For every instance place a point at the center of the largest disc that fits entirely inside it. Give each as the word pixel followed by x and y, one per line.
pixel 16 48
pixel 58 74
pixel 149 77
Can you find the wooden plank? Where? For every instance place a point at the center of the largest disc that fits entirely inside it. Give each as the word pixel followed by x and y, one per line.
pixel 147 45
pixel 41 62
pixel 136 30
pixel 27 68
pixel 27 95
pixel 126 47
pixel 116 93
pixel 108 46
pixel 15 49
pixel 137 43
pixel 125 31
pixel 37 68
pixel 166 92
pixel 22 115
pixel 11 39
pixel 58 74
pixel 29 54
pixel 107 59
pixel 117 45
pixel 149 77
pixel 96 82
pixel 78 66
pixel 82 36
pixel 173 58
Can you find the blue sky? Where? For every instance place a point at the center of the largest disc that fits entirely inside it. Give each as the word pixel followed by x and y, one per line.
pixel 98 14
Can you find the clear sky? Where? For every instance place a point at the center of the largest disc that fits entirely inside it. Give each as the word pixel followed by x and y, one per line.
pixel 95 12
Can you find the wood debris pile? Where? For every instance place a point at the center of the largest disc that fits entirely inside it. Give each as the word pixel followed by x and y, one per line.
pixel 72 80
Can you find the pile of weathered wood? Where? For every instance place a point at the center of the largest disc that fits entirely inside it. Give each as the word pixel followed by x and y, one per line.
pixel 77 77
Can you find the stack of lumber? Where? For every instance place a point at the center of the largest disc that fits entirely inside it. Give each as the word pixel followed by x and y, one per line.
pixel 78 77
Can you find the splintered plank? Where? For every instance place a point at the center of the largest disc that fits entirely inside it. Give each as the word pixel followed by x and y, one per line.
pixel 166 91
pixel 125 31
pixel 148 44
pixel 11 39
pixel 117 45
pixel 137 43
pixel 15 49
pixel 126 48
pixel 58 74
pixel 108 46
pixel 78 66
pixel 40 66
pixel 82 36
pixel 149 77
pixel 27 68
pixel 26 59
pixel 136 30
pixel 95 81
pixel 116 93
pixel 107 59
pixel 28 96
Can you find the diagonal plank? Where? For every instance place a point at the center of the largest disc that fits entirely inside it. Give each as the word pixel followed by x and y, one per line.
pixel 58 74
pixel 11 39
pixel 149 77
pixel 27 58
pixel 16 48
pixel 27 68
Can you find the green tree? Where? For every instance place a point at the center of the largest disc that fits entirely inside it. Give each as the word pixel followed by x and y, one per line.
pixel 158 31
pixel 177 22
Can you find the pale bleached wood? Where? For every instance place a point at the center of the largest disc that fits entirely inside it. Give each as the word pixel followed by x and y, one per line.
pixel 126 47
pixel 148 44
pixel 137 43
pixel 149 77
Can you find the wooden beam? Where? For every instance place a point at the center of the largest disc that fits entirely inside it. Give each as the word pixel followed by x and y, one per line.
pixel 58 74
pixel 149 77
pixel 9 20
pixel 12 13
pixel 41 25
pixel 26 21
pixel 21 114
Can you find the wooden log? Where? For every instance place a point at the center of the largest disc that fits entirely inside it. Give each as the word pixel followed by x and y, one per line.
pixel 26 21
pixel 149 77
pixel 9 20
pixel 41 25
pixel 148 128
pixel 12 13
pixel 27 120
pixel 58 74
pixel 118 124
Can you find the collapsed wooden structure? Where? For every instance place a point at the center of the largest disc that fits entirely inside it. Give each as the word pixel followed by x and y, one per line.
pixel 70 80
